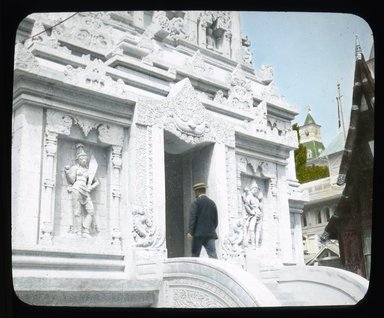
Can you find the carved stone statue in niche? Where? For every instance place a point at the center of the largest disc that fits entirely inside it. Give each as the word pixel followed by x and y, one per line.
pixel 214 36
pixel 211 43
pixel 252 199
pixel 216 25
pixel 82 180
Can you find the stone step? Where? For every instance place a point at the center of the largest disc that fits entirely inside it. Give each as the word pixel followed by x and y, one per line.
pixel 50 260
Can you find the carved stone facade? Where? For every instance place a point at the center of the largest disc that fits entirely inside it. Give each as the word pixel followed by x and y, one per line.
pixel 160 100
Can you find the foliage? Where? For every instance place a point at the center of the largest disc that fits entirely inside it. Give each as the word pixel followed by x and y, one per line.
pixel 303 172
pixel 307 174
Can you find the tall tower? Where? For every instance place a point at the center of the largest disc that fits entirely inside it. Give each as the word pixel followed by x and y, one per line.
pixel 310 137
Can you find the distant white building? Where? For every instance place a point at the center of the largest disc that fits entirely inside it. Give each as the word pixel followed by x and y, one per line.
pixel 324 195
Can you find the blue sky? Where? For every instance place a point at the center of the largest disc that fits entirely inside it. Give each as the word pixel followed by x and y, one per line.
pixel 310 53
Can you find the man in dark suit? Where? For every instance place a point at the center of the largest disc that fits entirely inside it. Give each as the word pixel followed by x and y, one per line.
pixel 203 220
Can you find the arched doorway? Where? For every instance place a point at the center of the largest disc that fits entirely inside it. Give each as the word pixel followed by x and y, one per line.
pixel 185 164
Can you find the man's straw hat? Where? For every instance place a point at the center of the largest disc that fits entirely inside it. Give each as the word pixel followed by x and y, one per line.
pixel 200 185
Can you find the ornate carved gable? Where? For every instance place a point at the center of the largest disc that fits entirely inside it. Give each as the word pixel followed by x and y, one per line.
pixel 61 123
pixel 186 113
pixel 197 64
pixel 271 93
pixel 25 60
pixel 183 115
pixel 240 94
pixel 87 30
pixel 94 76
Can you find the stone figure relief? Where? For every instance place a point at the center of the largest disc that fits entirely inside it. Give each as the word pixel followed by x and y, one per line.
pixel 143 228
pixel 82 181
pixel 211 42
pixel 253 203
pixel 220 98
pixel 232 243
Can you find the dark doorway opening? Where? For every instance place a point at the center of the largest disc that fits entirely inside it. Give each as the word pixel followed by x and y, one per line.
pixel 174 206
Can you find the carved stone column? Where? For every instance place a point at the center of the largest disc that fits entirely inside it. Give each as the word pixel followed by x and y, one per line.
pixel 226 48
pixel 116 195
pixel 202 34
pixel 114 135
pixel 284 239
pixel 49 176
pixel 233 184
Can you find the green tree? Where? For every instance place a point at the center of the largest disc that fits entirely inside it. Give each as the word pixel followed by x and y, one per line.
pixel 306 173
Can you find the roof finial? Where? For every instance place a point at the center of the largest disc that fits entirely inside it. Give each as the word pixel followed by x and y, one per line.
pixel 358 52
pixel 309 109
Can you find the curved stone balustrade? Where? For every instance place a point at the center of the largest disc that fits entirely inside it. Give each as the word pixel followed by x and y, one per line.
pixel 315 286
pixel 204 283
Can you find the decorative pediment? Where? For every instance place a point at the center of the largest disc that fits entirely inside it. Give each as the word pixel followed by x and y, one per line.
pixel 61 123
pixel 186 112
pixel 43 38
pixel 183 115
pixel 197 64
pixel 272 94
pixel 25 60
pixel 240 94
pixel 93 76
pixel 265 73
pixel 87 30
pixel 256 167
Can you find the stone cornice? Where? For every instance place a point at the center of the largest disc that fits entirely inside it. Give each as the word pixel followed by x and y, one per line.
pixel 281 111
pixel 64 58
pixel 165 72
pixel 225 110
pixel 262 147
pixel 212 58
pixel 132 63
pixel 49 93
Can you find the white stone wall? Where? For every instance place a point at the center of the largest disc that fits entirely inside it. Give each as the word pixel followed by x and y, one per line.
pixel 27 138
pixel 122 83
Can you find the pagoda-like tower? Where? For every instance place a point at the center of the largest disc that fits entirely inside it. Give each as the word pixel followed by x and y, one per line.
pixel 310 137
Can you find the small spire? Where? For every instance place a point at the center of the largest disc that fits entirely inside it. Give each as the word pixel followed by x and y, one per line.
pixel 358 51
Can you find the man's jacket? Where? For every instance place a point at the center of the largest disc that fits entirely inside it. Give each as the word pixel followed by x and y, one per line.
pixel 203 218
